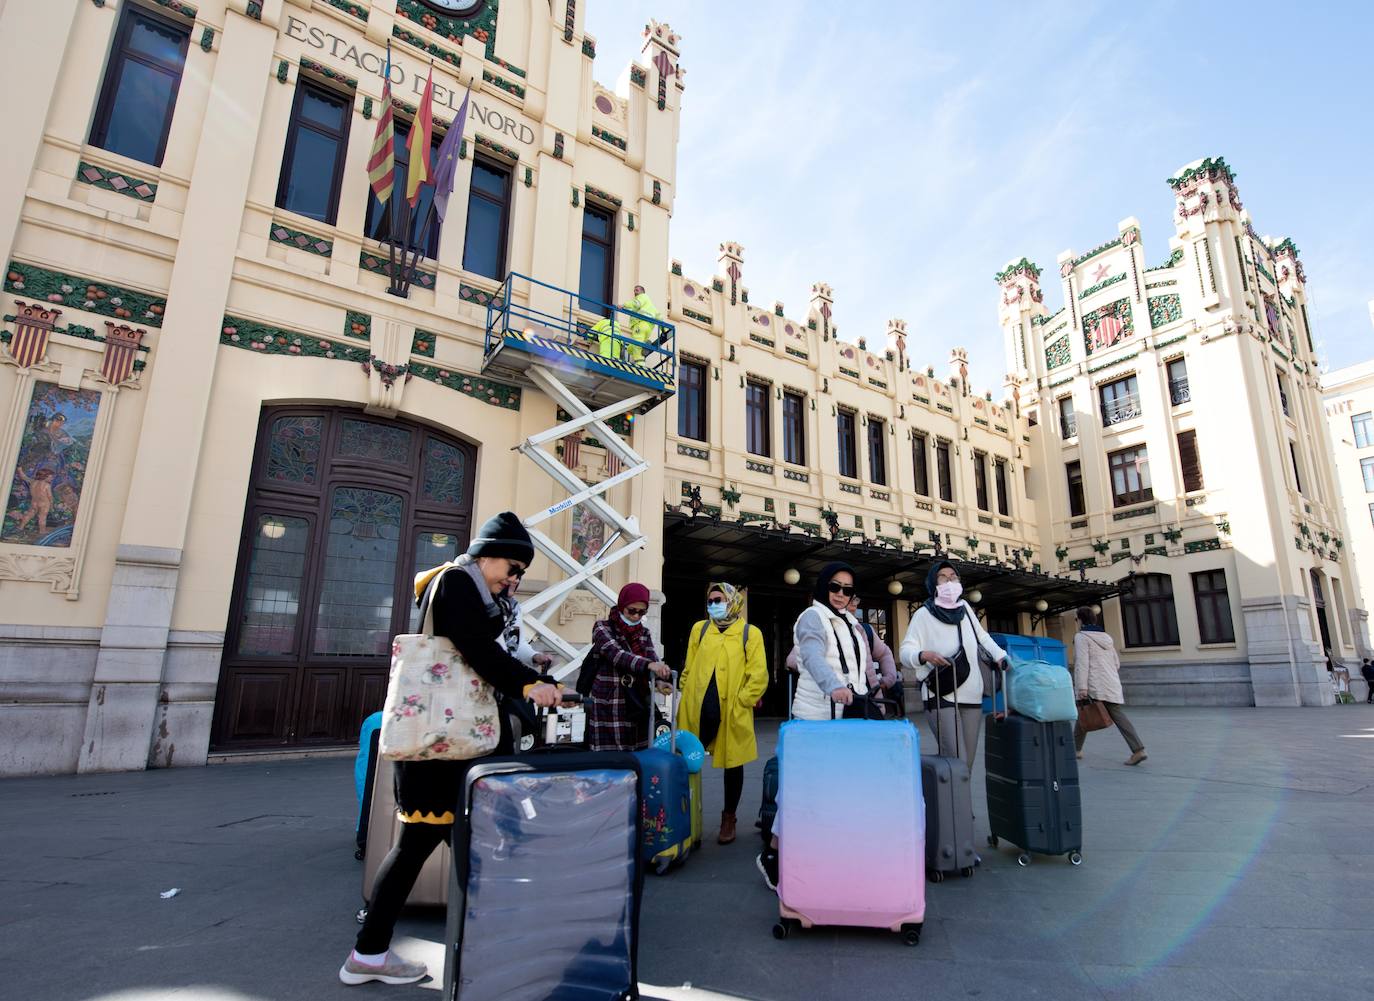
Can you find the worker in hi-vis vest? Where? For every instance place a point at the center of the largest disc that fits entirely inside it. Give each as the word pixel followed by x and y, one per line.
pixel 606 329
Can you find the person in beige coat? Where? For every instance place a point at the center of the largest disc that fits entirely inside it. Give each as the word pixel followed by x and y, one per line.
pixel 1097 678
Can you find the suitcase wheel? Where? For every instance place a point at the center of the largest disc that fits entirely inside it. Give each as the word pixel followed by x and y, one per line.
pixel 966 872
pixel 1023 859
pixel 992 841
pixel 935 875
pixel 781 929
pixel 361 916
pixel 911 934
pixel 1075 858
pixel 358 854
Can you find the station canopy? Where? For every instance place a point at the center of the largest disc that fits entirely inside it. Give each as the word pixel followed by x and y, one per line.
pixel 705 548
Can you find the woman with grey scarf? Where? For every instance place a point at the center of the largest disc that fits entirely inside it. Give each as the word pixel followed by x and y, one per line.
pixel 474 608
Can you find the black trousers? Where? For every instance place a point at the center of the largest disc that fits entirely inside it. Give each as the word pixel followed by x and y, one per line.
pixel 395 878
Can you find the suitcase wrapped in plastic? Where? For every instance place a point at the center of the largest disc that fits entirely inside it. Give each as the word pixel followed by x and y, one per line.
pixel 1032 648
pixel 851 783
pixel 1034 800
pixel 545 895
pixel 667 809
pixel 1041 691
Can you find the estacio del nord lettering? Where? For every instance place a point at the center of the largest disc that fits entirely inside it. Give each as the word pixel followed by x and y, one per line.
pixel 371 61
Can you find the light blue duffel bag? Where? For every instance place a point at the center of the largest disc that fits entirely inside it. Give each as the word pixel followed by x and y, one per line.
pixel 1041 690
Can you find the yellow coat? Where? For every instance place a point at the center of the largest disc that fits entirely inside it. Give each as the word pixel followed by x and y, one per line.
pixel 741 677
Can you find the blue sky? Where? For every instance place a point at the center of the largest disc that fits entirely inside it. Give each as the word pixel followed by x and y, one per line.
pixel 903 153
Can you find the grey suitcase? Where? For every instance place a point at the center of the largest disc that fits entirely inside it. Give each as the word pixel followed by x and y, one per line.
pixel 949 807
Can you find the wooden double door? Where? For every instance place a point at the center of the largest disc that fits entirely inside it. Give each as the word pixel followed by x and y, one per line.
pixel 343 510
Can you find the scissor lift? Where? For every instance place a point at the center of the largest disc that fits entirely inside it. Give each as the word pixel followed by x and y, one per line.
pixel 593 375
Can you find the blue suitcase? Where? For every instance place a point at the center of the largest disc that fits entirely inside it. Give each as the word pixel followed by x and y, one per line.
pixel 666 809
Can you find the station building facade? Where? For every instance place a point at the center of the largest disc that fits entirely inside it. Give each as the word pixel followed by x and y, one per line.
pixel 227 447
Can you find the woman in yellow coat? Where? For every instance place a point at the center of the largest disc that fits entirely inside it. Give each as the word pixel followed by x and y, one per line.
pixel 725 675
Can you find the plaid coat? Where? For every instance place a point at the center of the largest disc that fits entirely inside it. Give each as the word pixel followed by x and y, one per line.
pixel 618 713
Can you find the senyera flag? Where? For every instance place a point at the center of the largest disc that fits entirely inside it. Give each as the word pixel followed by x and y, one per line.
pixel 381 162
pixel 418 143
pixel 446 159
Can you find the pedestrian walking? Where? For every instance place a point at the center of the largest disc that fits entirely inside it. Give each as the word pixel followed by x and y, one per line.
pixel 625 662
pixel 1097 678
pixel 473 606
pixel 1367 669
pixel 944 646
pixel 725 675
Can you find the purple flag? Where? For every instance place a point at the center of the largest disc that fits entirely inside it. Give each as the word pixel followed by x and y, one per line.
pixel 446 159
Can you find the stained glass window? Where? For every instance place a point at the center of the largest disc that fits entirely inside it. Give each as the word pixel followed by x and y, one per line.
pixel 293 451
pixel 359 580
pixel 432 549
pixel 445 472
pixel 271 602
pixel 379 442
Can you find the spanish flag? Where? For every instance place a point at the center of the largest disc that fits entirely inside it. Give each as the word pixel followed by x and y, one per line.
pixel 418 143
pixel 381 162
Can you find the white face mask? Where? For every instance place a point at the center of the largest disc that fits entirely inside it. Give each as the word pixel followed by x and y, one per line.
pixel 948 593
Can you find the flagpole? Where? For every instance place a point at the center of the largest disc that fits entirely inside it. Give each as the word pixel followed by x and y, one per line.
pixel 408 271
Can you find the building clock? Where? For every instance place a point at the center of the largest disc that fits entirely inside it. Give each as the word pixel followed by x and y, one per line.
pixel 455 8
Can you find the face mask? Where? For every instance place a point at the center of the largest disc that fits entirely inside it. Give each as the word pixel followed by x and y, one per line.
pixel 716 609
pixel 629 622
pixel 948 593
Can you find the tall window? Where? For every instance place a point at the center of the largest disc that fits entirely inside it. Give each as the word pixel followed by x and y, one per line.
pixel 139 94
pixel 484 244
pixel 1178 382
pixel 1130 472
pixel 1371 514
pixel 757 437
pixel 1367 470
pixel 980 480
pixel 1148 612
pixel 794 428
pixel 1078 505
pixel 1283 394
pixel 942 472
pixel 999 471
pixel 1297 470
pixel 877 451
pixel 1068 423
pixel 1213 607
pixel 691 400
pixel 383 220
pixel 918 463
pixel 848 450
pixel 1363 425
pixel 1189 461
pixel 1120 401
pixel 595 280
pixel 312 164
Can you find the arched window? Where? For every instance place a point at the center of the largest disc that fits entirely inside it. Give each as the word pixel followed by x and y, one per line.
pixel 1148 612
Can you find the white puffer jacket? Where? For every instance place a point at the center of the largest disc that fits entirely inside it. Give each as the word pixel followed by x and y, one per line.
pixel 1096 667
pixel 812 701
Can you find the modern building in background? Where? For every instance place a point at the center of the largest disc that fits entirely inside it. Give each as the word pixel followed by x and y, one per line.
pixel 227 447
pixel 1349 395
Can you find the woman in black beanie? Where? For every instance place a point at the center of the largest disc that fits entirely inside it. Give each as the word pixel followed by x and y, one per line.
pixel 474 607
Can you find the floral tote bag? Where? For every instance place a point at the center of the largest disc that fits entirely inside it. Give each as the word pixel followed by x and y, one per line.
pixel 437 707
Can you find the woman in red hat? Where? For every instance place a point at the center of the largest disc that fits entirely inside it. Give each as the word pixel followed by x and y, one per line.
pixel 618 714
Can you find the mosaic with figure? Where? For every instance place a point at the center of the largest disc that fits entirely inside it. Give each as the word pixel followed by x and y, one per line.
pixel 588 533
pixel 46 489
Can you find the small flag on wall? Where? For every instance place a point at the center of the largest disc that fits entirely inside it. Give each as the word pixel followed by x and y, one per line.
pixel 381 162
pixel 613 464
pixel 32 327
pixel 446 159
pixel 418 143
pixel 121 350
pixel 572 446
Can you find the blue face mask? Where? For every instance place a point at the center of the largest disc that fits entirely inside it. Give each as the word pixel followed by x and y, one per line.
pixel 716 609
pixel 629 622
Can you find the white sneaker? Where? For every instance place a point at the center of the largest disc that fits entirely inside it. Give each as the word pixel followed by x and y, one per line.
pixel 394 971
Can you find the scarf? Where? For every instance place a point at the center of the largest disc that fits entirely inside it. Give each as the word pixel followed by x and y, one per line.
pixel 501 607
pixel 734 604
pixel 949 616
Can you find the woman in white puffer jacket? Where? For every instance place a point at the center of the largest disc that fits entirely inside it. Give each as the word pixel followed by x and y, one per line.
pixel 832 649
pixel 1097 678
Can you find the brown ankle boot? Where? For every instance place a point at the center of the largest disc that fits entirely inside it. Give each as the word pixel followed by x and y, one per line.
pixel 727 829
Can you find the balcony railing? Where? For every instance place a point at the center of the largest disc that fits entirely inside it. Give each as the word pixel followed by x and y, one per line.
pixel 1179 392
pixel 1123 408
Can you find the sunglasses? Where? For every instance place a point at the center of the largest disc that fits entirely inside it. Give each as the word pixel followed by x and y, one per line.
pixel 634 613
pixel 512 570
pixel 844 589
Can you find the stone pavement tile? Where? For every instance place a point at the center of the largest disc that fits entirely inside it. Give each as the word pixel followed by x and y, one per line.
pixel 1126 983
pixel 1009 941
pixel 995 977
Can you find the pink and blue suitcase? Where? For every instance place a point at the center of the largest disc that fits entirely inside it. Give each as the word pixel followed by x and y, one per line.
pixel 856 784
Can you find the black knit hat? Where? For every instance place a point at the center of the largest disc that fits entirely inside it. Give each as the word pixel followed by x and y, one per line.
pixel 503 535
pixel 822 591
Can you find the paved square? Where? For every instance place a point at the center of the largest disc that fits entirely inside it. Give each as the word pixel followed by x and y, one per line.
pixel 1237 863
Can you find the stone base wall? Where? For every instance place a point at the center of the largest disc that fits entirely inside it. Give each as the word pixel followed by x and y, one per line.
pixel 1214 683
